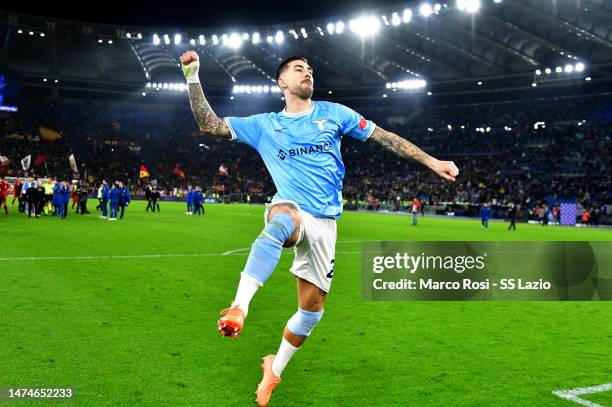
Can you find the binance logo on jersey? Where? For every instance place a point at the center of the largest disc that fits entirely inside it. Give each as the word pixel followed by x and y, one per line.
pixel 305 150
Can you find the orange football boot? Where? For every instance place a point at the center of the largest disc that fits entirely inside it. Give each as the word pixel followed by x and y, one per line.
pixel 268 382
pixel 231 321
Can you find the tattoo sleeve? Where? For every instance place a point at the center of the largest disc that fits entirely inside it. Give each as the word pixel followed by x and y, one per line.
pixel 401 147
pixel 207 120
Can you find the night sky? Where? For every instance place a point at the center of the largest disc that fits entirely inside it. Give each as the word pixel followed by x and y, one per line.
pixel 203 13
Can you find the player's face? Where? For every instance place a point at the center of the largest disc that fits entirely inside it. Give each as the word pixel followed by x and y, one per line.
pixel 298 79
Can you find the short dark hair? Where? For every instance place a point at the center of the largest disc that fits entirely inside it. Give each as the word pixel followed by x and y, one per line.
pixel 284 65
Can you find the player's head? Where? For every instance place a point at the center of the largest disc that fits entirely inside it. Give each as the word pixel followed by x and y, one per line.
pixel 294 76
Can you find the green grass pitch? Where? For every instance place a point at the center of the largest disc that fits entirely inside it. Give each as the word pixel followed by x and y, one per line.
pixel 124 330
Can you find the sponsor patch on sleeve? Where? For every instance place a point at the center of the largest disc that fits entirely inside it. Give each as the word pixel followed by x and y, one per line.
pixel 363 123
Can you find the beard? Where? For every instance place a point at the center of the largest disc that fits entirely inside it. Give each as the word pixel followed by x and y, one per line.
pixel 303 91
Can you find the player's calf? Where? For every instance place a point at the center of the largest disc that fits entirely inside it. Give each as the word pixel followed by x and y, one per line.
pixel 264 255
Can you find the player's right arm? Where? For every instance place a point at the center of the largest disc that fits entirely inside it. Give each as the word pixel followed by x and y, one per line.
pixel 205 116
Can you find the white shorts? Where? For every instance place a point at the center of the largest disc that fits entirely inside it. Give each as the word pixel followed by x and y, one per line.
pixel 315 249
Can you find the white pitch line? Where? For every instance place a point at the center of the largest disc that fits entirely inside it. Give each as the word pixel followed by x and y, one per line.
pixel 237 252
pixel 230 252
pixel 227 253
pixel 131 256
pixel 573 394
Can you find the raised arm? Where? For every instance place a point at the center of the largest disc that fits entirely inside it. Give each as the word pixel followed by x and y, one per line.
pixel 405 149
pixel 208 121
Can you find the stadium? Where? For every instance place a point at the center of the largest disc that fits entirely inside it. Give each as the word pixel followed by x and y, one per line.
pixel 167 177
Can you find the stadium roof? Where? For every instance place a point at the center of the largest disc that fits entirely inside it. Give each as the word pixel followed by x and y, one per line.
pixel 508 44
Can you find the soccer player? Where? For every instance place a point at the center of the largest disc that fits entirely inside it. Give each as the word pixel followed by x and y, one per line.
pixel 414 207
pixel 64 198
pixel 57 200
pixel 155 197
pixel 4 193
pixel 512 215
pixel 17 189
pixel 485 214
pixel 113 197
pixel 32 198
pixel 300 147
pixel 99 196
pixel 196 201
pixel 189 196
pixel 83 194
pixel 105 193
pixel 40 197
pixel 148 197
pixel 124 199
pixel 74 194
pixel 26 184
pixel 48 186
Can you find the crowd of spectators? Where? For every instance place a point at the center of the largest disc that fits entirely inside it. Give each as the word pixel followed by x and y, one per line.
pixel 531 153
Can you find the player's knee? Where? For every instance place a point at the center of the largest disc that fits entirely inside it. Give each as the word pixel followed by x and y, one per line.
pixel 280 227
pixel 294 214
pixel 287 209
pixel 303 322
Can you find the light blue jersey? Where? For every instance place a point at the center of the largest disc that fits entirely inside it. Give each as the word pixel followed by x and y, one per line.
pixel 302 152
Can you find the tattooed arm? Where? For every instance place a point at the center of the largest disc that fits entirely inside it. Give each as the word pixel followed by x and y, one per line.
pixel 208 121
pixel 205 116
pixel 405 149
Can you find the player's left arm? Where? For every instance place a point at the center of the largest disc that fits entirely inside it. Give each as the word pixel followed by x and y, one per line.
pixel 405 149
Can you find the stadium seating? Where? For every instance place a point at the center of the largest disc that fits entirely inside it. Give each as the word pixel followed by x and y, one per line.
pixel 526 152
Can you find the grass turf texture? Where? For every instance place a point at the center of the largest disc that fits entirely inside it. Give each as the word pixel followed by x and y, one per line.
pixel 142 331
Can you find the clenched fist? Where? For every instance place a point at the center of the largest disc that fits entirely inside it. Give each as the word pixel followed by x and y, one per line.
pixel 446 169
pixel 190 63
pixel 189 57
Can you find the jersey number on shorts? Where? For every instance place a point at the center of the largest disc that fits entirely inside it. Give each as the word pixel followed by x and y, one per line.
pixel 331 272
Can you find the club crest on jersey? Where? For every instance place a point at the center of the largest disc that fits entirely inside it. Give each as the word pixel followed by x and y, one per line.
pixel 320 124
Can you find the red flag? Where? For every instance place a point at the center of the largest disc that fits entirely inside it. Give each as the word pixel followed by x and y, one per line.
pixel 143 171
pixel 40 159
pixel 179 172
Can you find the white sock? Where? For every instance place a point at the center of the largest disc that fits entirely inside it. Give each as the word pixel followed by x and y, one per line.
pixel 283 356
pixel 247 288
